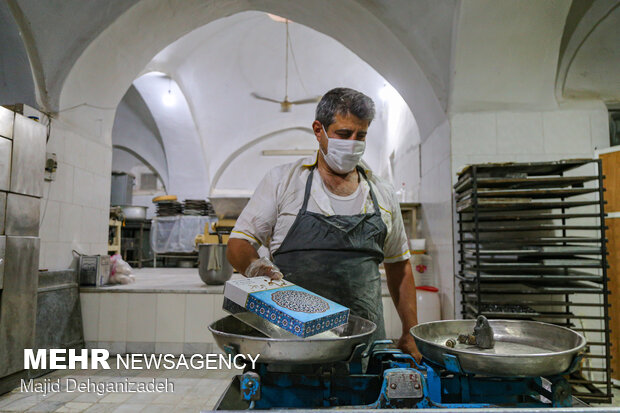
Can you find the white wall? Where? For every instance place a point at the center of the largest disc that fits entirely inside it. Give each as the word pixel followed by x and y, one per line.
pixel 399 160
pixel 574 130
pixel 75 206
pixel 436 212
pixel 505 54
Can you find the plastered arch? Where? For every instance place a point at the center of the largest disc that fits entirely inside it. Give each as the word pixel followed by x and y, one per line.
pixel 117 56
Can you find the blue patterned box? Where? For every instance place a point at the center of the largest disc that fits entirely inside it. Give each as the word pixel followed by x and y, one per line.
pixel 286 305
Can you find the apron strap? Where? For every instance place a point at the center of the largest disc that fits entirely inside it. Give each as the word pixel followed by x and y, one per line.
pixel 375 203
pixel 361 172
pixel 307 191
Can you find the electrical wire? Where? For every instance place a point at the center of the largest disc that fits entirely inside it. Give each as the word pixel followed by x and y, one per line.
pixel 286 64
pixel 290 41
pixel 46 202
pixel 87 105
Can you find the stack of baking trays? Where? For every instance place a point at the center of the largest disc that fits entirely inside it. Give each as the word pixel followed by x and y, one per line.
pixel 168 208
pixel 197 207
pixel 532 246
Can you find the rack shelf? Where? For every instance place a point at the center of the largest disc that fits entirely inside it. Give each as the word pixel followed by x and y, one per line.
pixel 532 246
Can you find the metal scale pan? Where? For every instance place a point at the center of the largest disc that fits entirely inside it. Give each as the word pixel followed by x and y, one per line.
pixel 232 334
pixel 522 348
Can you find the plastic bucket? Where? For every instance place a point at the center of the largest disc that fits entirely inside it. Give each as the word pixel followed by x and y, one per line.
pixel 429 308
pixel 422 265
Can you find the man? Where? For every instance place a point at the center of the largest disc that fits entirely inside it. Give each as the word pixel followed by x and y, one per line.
pixel 329 222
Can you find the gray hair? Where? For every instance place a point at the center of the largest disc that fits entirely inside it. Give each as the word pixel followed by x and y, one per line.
pixel 344 101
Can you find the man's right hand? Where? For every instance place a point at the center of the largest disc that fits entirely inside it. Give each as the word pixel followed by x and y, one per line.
pixel 262 267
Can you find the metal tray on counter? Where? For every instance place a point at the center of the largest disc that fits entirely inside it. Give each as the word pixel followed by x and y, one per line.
pixel 231 333
pixel 522 348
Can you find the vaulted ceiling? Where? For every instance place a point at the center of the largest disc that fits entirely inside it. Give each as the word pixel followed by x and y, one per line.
pixel 80 58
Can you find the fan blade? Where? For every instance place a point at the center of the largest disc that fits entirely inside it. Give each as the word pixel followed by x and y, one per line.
pixel 309 100
pixel 257 96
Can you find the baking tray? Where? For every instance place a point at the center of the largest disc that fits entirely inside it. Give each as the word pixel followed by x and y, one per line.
pixel 231 333
pixel 503 169
pixel 522 348
pixel 569 287
pixel 549 241
pixel 539 276
pixel 505 204
pixel 488 264
pixel 556 318
pixel 521 183
pixel 535 193
pixel 526 251
pixel 528 217
pixel 503 311
pixel 541 227
pixel 471 297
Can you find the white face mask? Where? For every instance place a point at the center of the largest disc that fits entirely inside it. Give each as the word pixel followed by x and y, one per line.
pixel 343 154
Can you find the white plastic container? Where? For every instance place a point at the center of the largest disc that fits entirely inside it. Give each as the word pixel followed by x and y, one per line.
pixel 422 265
pixel 429 307
pixel 417 244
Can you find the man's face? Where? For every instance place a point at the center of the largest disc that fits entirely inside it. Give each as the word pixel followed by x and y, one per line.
pixel 344 127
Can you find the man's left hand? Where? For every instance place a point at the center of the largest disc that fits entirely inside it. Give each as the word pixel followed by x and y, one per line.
pixel 407 344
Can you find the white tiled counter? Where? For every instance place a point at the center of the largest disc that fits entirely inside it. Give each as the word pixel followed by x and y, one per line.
pixel 167 310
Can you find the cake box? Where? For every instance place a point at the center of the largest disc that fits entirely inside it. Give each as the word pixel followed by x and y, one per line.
pixel 286 305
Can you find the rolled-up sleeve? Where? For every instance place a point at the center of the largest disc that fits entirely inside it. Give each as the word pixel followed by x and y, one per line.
pixel 396 246
pixel 258 218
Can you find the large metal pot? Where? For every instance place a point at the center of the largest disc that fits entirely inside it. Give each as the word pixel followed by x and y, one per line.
pixel 213 267
pixel 134 213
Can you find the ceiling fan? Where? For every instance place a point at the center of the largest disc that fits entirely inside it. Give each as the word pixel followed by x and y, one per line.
pixel 286 105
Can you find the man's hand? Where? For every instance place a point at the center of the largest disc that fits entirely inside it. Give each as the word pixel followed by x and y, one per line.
pixel 407 344
pixel 262 267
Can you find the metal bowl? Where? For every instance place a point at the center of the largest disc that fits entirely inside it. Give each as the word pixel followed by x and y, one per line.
pixel 522 348
pixel 134 212
pixel 233 333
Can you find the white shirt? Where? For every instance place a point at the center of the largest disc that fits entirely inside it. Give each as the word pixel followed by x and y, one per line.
pixel 270 213
pixel 342 205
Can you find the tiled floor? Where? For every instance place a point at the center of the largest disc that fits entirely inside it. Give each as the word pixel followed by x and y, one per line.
pixel 194 390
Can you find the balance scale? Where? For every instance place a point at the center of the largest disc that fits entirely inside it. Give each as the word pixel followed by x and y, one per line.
pixel 290 373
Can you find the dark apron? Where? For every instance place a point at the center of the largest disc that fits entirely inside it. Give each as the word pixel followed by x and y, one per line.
pixel 337 257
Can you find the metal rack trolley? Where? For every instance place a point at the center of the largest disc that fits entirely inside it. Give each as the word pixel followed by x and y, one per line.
pixel 135 245
pixel 531 245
